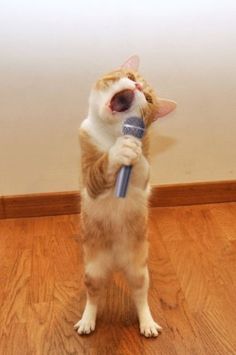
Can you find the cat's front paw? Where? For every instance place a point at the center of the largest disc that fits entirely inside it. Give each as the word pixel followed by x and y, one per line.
pixel 150 329
pixel 126 151
pixel 85 326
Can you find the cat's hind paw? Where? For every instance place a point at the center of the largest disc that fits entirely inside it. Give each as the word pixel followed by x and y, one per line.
pixel 85 326
pixel 150 329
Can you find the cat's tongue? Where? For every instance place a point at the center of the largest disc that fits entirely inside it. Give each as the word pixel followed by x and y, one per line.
pixel 122 100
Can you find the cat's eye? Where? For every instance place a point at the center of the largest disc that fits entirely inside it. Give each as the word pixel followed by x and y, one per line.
pixel 131 76
pixel 148 98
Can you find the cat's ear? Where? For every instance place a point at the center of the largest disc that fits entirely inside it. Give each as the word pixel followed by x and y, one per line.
pixel 131 63
pixel 164 107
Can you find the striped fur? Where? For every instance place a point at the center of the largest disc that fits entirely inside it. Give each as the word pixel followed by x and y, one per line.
pixel 114 230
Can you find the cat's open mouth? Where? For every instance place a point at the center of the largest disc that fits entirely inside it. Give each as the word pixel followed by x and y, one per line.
pixel 122 100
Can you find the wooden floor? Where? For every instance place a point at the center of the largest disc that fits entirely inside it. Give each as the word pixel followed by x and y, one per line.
pixel 192 294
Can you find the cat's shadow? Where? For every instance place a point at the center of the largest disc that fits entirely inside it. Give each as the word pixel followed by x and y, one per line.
pixel 116 321
pixel 160 143
pixel 117 305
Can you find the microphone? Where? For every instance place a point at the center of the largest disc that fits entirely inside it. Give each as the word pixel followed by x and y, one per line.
pixel 133 126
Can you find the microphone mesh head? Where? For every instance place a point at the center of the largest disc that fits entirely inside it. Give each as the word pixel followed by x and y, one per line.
pixel 134 126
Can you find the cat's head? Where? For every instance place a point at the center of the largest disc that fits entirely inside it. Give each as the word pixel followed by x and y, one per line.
pixel 124 93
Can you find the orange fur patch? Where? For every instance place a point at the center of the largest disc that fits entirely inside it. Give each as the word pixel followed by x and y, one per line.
pixel 93 285
pixel 149 113
pixel 94 167
pixel 100 233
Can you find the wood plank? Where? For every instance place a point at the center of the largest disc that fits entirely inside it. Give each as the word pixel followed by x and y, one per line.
pixel 193 193
pixel 17 332
pixel 205 265
pixel 42 269
pixel 59 203
pixel 40 318
pixel 2 214
pixel 45 204
pixel 192 237
pixel 224 217
pixel 192 295
pixel 15 295
pixel 167 289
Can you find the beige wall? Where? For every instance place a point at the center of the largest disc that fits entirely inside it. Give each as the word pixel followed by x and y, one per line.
pixel 52 51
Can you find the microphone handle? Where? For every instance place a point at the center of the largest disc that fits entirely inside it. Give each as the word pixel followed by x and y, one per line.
pixel 122 181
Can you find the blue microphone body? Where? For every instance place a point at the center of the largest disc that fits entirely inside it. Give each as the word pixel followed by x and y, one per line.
pixel 133 126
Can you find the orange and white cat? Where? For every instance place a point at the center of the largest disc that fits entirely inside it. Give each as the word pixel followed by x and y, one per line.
pixel 114 230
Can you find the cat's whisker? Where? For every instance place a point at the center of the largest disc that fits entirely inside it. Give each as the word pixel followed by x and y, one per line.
pixel 141 111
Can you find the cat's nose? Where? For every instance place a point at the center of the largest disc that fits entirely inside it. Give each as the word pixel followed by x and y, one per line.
pixel 139 86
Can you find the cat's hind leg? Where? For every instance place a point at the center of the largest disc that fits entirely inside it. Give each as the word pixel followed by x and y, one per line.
pixel 96 273
pixel 138 279
pixel 87 323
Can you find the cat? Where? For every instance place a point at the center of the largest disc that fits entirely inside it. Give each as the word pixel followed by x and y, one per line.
pixel 114 230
